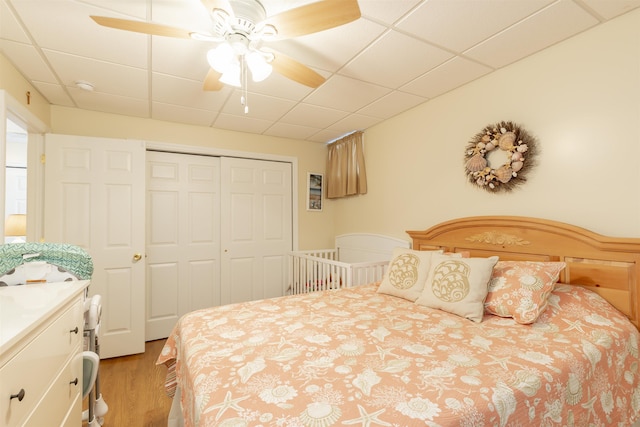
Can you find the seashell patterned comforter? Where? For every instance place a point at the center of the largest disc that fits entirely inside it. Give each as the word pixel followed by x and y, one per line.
pixel 353 357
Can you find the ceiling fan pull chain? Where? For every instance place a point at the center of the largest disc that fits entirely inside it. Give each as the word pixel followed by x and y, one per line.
pixel 244 98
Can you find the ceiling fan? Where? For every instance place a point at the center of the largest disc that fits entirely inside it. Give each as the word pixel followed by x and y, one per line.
pixel 240 27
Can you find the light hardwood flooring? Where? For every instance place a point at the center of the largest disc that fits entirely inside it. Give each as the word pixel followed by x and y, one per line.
pixel 133 387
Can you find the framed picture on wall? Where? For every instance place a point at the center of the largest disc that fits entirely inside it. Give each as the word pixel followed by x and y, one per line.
pixel 314 191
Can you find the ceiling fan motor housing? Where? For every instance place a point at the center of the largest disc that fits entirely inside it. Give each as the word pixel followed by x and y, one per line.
pixel 241 26
pixel 247 15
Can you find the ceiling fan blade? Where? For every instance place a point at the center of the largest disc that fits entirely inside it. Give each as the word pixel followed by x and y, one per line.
pixel 314 17
pixel 295 71
pixel 211 5
pixel 212 81
pixel 142 27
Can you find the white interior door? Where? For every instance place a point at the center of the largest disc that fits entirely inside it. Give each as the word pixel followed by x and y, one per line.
pixel 183 238
pixel 94 198
pixel 256 228
pixel 16 190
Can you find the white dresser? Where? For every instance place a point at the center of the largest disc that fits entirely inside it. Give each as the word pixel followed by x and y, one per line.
pixel 41 336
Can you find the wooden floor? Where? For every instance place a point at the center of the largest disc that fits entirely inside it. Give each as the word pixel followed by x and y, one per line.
pixel 133 388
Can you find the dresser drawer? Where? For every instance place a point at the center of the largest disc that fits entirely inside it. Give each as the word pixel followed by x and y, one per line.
pixel 74 415
pixel 52 409
pixel 35 367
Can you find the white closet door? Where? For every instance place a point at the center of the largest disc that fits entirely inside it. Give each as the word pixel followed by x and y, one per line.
pixel 256 228
pixel 94 198
pixel 183 238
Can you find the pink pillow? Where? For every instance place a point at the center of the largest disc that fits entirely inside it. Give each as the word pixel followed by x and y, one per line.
pixel 520 289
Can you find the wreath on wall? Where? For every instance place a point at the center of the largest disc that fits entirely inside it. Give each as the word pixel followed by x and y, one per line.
pixel 519 148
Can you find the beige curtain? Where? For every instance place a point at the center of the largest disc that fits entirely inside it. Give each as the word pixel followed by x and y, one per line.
pixel 346 174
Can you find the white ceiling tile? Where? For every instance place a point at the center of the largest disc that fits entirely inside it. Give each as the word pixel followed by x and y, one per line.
pixel 285 130
pixel 391 104
pixel 133 9
pixel 189 15
pixel 180 57
pixel 543 29
pixel 354 122
pixel 26 57
pixel 105 76
pixel 386 11
pixel 395 59
pixel 313 116
pixel 260 106
pixel 279 86
pixel 241 123
pixel 54 93
pixel 345 94
pixel 10 29
pixel 110 103
pixel 611 8
pixel 181 114
pixel 74 32
pixel 327 50
pixel 450 75
pixel 460 24
pixel 178 91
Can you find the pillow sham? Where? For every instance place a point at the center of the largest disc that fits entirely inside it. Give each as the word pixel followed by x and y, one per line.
pixel 458 285
pixel 407 273
pixel 520 289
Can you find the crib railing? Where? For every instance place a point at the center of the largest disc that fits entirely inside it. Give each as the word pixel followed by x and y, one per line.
pixel 318 270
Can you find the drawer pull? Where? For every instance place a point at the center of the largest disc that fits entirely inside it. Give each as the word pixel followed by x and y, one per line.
pixel 20 395
pixel 75 331
pixel 74 382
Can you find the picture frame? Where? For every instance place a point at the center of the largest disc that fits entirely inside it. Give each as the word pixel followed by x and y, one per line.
pixel 315 187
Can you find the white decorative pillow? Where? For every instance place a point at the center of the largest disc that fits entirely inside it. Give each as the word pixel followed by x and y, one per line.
pixel 458 285
pixel 407 273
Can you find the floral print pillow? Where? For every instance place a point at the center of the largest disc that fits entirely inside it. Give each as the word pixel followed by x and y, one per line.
pixel 520 289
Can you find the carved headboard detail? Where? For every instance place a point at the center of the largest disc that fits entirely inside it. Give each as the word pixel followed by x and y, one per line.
pixel 610 266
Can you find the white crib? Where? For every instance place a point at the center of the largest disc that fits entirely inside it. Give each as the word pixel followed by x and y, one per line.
pixel 357 259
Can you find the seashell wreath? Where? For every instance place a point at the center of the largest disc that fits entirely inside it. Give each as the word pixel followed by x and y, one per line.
pixel 519 148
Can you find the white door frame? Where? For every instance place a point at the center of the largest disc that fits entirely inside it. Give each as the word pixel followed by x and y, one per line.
pixel 212 151
pixel 11 108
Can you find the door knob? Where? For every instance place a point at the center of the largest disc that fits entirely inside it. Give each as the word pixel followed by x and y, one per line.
pixel 137 257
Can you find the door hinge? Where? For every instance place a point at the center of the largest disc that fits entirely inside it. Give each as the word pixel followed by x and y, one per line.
pixel 43 159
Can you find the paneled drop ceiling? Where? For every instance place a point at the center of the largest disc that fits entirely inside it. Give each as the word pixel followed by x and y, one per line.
pixel 399 54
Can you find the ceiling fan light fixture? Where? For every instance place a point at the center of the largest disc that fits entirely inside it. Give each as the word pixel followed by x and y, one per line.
pixel 221 58
pixel 232 76
pixel 258 65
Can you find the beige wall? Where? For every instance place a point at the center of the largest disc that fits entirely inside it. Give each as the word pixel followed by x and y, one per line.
pixel 17 87
pixel 315 228
pixel 581 99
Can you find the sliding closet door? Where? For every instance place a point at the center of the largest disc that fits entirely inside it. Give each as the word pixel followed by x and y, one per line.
pixel 94 198
pixel 256 228
pixel 183 238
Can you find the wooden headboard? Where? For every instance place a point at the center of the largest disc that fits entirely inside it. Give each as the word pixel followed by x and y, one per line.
pixel 610 266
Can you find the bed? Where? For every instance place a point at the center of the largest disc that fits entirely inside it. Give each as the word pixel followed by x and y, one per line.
pixel 360 356
pixel 356 259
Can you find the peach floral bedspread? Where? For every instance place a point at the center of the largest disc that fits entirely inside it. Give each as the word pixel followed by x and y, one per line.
pixel 354 357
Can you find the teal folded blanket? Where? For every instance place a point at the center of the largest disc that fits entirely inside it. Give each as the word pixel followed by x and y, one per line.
pixel 70 257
